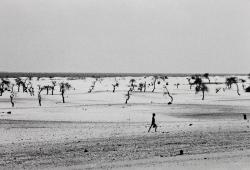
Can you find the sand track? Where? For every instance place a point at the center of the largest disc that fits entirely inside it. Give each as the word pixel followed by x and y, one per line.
pixel 97 152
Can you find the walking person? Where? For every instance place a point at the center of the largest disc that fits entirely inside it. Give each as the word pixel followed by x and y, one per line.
pixel 153 124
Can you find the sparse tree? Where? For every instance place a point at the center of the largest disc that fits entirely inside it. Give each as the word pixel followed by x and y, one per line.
pixel 141 86
pixel 114 86
pixel 203 88
pixel 154 82
pixel 167 92
pixel 230 81
pixel 132 85
pixel 18 83
pixel 64 87
pixel 128 95
pixel 144 86
pixel 200 86
pixel 92 86
pixel 39 96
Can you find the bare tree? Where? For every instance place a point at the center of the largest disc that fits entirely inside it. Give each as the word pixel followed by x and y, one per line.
pixel 167 92
pixel 128 95
pixel 92 86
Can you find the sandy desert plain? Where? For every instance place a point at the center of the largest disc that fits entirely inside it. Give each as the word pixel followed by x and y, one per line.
pixel 97 130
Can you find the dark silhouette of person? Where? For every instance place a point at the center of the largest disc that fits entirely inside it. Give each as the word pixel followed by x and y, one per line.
pixel 153 124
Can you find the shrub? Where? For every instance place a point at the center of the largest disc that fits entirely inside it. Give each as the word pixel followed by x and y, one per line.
pixel 247 89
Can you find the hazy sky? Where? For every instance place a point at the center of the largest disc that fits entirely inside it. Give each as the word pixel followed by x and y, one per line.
pixel 125 36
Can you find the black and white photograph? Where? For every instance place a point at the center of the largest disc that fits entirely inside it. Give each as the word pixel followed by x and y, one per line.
pixel 125 84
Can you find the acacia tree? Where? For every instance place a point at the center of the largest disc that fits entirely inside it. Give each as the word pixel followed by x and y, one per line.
pixel 200 86
pixel 203 88
pixel 64 87
pixel 230 81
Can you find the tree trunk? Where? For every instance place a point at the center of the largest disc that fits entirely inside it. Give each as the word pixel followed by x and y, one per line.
pixel 127 99
pixel 172 99
pixel 154 85
pixel 237 89
pixel 128 96
pixel 203 94
pixel 133 86
pixel 63 96
pixel 113 88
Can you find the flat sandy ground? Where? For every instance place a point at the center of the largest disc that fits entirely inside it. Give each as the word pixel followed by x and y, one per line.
pixel 98 131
